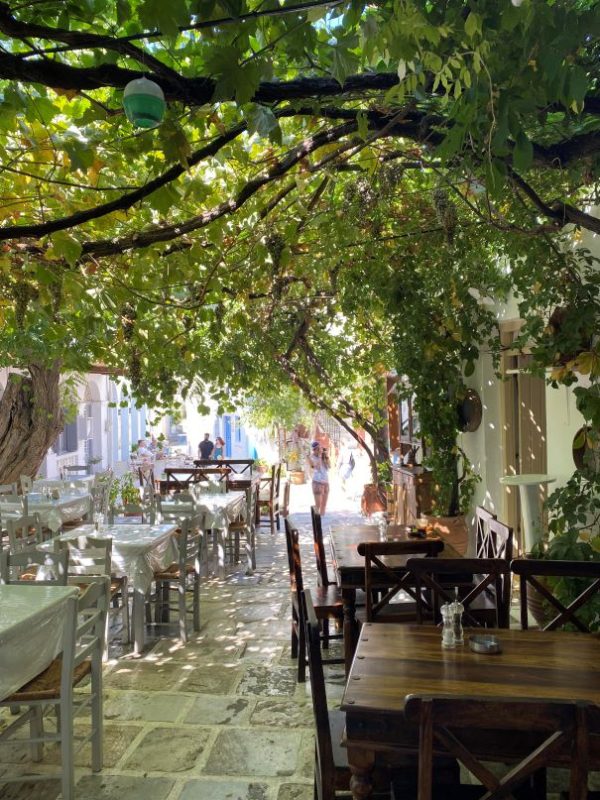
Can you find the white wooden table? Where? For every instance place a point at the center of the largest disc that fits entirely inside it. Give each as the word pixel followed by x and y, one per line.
pixel 138 551
pixel 31 631
pixel 70 506
pixel 216 511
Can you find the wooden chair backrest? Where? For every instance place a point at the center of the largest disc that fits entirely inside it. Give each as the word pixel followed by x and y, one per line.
pixel 51 568
pixel 189 537
pixel 499 542
pixel 146 478
pixel 88 555
pixel 24 532
pixel 285 503
pixel 483 517
pixel 276 480
pixel 85 626
pixel 486 579
pixel 564 728
pixel 292 540
pixel 583 576
pixel 389 579
pixel 79 469
pixel 8 488
pixel 324 763
pixel 317 527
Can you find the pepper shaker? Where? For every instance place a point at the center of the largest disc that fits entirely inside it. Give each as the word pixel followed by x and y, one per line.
pixel 447 613
pixel 457 612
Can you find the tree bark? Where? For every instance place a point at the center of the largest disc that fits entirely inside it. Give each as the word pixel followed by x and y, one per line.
pixel 30 420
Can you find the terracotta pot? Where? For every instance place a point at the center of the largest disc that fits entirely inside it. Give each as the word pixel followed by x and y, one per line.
pixel 453 529
pixel 297 477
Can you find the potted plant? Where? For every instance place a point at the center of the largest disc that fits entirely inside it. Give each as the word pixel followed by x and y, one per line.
pixel 261 465
pixel 295 467
pixel 93 463
pixel 573 535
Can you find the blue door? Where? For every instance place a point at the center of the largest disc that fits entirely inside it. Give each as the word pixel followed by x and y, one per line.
pixel 227 423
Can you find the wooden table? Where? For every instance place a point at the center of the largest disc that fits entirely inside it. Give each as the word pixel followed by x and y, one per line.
pixel 349 568
pixel 395 661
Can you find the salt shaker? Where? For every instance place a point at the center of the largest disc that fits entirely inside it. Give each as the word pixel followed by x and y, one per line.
pixel 447 612
pixel 457 612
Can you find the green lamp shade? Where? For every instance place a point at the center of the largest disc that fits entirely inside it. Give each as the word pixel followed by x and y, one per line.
pixel 144 103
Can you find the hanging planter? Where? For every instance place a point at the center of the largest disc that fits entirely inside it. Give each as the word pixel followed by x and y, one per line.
pixel 144 103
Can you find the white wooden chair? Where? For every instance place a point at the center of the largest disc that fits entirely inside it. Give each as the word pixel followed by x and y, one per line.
pixel 90 557
pixel 37 567
pixel 24 532
pixel 81 657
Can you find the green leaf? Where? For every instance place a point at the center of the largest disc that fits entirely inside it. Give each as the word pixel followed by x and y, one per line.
pixel 363 125
pixel 472 24
pixel 577 84
pixel 469 369
pixel 261 120
pixel 123 11
pixel 166 15
pixel 522 153
pixel 66 246
pixel 344 64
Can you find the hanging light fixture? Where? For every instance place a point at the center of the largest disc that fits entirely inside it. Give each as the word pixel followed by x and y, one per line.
pixel 144 103
pixel 517 3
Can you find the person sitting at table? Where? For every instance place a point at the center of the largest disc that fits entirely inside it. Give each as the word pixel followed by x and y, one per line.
pixel 219 450
pixel 206 447
pixel 142 449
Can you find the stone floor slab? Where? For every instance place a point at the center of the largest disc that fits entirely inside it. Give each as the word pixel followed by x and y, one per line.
pixel 254 752
pixel 146 706
pixel 143 676
pixel 121 787
pixel 219 710
pixel 295 791
pixel 168 750
pixel 270 680
pixel 282 714
pixel 213 679
pixel 224 790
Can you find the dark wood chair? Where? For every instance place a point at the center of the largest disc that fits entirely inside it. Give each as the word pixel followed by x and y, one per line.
pixel 541 577
pixel 541 732
pixel 385 581
pixel 327 601
pixel 285 503
pixel 332 773
pixel 317 529
pixel 482 584
pixel 268 498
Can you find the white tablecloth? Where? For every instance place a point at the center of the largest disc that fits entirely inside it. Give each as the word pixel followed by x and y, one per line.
pixel 31 626
pixel 137 550
pixel 53 513
pixel 217 510
pixel 86 481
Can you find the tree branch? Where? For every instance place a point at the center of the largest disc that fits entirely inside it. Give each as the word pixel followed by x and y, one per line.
pixel 125 201
pixel 165 233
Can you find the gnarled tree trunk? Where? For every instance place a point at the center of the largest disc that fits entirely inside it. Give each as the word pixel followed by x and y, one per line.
pixel 30 420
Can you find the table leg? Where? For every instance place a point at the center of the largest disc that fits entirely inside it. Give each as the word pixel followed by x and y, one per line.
pixel 349 601
pixel 219 551
pixel 361 763
pixel 137 621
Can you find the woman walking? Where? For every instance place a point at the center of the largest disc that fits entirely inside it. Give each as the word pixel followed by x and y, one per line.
pixel 319 462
